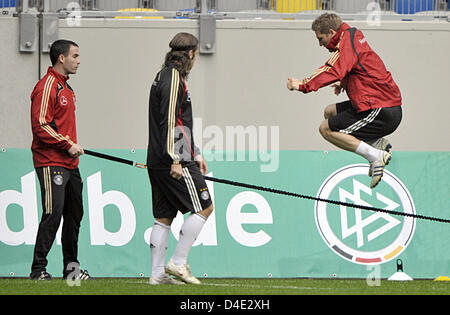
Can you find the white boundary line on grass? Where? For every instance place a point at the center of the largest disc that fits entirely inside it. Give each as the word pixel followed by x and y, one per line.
pixel 254 286
pixel 264 286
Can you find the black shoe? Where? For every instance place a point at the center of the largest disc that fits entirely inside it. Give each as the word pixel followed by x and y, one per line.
pixel 81 275
pixel 84 275
pixel 40 275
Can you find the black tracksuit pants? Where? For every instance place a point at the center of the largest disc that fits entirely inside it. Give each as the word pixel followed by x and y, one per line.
pixel 61 192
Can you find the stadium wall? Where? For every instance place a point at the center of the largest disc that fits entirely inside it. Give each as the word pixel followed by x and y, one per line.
pixel 243 83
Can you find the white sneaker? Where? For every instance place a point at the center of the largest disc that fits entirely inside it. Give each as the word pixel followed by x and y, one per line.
pixel 165 279
pixel 380 144
pixel 181 271
pixel 378 168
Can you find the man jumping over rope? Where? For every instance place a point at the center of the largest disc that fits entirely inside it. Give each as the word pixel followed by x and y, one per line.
pixel 374 106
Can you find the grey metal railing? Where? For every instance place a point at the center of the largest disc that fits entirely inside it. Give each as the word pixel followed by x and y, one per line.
pixel 340 6
pixel 47 13
pixel 389 6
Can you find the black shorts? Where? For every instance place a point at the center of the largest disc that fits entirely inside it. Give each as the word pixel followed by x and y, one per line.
pixel 169 195
pixel 368 125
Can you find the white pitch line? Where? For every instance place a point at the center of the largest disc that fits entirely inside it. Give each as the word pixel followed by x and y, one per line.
pixel 263 286
pixel 254 286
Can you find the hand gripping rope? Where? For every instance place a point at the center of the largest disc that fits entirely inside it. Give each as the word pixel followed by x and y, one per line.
pixel 277 191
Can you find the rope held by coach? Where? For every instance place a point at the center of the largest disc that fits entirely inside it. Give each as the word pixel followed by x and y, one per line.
pixel 276 191
pixel 340 203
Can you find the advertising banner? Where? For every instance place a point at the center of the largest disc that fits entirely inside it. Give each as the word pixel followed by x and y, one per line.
pixel 251 233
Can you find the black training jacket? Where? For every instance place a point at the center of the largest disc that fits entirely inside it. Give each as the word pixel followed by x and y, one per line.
pixel 171 138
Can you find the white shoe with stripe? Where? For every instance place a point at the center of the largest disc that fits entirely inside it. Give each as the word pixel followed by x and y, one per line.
pixel 165 279
pixel 181 271
pixel 380 144
pixel 378 168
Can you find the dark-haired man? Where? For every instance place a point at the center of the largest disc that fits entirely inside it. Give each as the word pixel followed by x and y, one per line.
pixel 374 106
pixel 55 158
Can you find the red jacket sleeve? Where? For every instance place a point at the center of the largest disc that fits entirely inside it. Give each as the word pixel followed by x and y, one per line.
pixel 335 69
pixel 43 100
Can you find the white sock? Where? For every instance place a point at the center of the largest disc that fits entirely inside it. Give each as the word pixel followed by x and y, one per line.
pixel 368 152
pixel 188 234
pixel 158 248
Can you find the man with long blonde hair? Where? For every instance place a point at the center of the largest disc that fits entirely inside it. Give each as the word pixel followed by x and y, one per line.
pixel 175 165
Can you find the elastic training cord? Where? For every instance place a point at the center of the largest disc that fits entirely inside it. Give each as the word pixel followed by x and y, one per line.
pixel 278 191
pixel 340 203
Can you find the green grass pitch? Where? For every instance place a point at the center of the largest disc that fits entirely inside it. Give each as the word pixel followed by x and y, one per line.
pixel 222 286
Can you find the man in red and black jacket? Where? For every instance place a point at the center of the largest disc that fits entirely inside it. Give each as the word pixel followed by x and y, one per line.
pixel 55 158
pixel 374 106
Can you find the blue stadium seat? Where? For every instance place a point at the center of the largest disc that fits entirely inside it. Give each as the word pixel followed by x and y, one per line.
pixel 413 6
pixel 7 3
